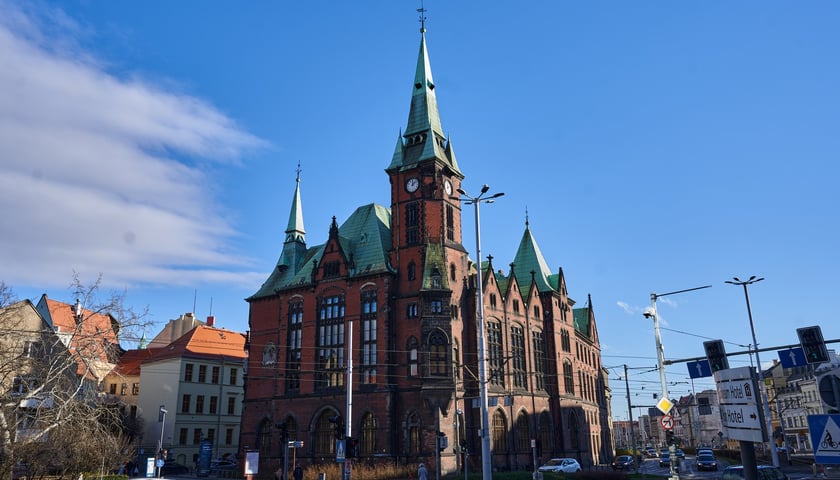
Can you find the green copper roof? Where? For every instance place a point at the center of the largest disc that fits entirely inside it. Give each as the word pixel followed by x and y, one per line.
pixel 423 138
pixel 529 259
pixel 365 238
pixel 294 229
pixel 583 320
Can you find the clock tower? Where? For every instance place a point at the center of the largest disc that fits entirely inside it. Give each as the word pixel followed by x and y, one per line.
pixel 431 263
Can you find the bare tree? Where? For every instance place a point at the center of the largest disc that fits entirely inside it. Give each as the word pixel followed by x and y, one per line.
pixel 53 417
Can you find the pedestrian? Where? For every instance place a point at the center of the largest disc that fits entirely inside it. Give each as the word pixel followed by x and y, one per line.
pixel 298 474
pixel 421 472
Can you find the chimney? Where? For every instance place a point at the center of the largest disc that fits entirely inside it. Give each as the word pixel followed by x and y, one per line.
pixel 77 310
pixel 211 320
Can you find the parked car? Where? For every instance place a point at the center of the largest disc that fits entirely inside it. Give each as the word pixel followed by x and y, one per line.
pixel 765 472
pixel 568 465
pixel 679 453
pixel 650 453
pixel 665 459
pixel 624 462
pixel 829 471
pixel 706 461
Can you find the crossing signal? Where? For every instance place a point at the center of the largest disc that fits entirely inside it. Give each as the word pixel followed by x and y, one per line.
pixel 352 447
pixel 716 354
pixel 813 345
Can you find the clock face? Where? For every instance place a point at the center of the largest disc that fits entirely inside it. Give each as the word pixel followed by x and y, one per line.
pixel 412 184
pixel 447 185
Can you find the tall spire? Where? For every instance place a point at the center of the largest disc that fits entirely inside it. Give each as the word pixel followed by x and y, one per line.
pixel 294 230
pixel 424 137
pixel 294 247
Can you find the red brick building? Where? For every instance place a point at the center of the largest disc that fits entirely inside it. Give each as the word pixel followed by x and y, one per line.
pixel 402 277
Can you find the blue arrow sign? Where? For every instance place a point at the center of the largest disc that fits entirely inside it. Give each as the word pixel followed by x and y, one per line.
pixel 793 357
pixel 701 368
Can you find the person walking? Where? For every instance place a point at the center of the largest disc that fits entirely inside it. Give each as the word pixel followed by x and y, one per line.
pixel 421 472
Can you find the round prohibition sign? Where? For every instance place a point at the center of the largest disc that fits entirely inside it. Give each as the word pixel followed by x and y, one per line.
pixel 667 422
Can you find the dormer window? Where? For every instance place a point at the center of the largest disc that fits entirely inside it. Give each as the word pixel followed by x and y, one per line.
pixel 436 278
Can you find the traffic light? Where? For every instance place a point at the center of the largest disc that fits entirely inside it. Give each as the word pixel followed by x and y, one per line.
pixel 716 355
pixel 338 426
pixel 463 444
pixel 813 345
pixel 351 449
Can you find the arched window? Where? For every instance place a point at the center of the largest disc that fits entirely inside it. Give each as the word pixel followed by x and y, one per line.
pixel 438 361
pixel 435 277
pixel 492 300
pixel 523 433
pixel 413 433
pixel 500 443
pixel 456 360
pixel 412 271
pixel 325 434
pixel 495 355
pixel 368 442
pixel 264 437
pixel 568 377
pixel 546 444
pixel 452 271
pixel 517 355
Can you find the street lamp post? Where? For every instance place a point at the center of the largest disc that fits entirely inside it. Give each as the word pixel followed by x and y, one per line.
pixel 660 359
pixel 768 425
pixel 162 416
pixel 486 464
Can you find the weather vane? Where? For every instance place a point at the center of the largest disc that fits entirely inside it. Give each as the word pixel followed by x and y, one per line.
pixel 422 12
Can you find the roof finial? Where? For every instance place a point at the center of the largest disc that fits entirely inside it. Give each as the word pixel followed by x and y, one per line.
pixel 422 17
pixel 526 217
pixel 297 179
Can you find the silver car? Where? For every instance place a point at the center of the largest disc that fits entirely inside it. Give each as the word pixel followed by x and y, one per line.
pixel 567 465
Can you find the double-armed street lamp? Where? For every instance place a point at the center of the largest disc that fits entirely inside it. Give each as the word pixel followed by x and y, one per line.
pixel 486 465
pixel 768 425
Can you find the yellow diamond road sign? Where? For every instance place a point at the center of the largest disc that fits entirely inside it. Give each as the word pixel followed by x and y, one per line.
pixel 664 405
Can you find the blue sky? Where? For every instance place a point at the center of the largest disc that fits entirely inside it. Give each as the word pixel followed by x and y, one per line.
pixel 656 146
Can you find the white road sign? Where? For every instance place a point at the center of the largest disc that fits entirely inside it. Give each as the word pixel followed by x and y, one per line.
pixel 738 407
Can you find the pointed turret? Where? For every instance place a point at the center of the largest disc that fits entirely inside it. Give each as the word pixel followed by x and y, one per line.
pixel 294 247
pixel 529 258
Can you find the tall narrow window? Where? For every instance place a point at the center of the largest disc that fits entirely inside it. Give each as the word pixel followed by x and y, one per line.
pixel 214 404
pixel 495 354
pixel 413 427
pixel 537 346
pixel 188 372
pixel 568 377
pixel 329 364
pixel 546 438
pixel 412 223
pixel 293 345
pixel 450 223
pixel 368 442
pixel 412 271
pixel 523 432
pixel 517 350
pixel 199 404
pixel 412 357
pixel 438 362
pixel 185 404
pixel 324 431
pixel 369 322
pixel 215 376
pixel 500 443
pixel 202 373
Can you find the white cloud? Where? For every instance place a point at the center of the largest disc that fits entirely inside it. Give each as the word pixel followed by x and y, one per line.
pixel 93 176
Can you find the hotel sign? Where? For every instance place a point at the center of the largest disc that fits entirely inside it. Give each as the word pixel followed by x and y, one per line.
pixel 738 404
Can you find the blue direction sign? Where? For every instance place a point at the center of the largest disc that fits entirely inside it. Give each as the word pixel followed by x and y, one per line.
pixel 793 357
pixel 700 368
